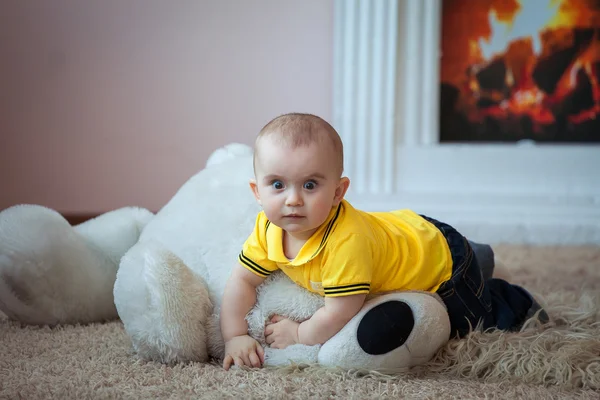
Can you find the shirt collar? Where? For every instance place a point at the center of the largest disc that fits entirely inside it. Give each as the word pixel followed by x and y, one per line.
pixel 310 249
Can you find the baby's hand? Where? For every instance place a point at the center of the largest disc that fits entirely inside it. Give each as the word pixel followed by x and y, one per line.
pixel 243 350
pixel 281 332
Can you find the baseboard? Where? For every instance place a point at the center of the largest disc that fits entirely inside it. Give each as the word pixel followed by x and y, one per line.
pixel 502 218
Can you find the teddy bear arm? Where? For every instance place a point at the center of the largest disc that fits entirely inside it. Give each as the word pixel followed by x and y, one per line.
pixel 165 307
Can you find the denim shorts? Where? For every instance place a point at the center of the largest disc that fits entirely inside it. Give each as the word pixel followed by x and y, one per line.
pixel 472 299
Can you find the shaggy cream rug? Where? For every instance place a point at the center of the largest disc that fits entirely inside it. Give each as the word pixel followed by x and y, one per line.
pixel 558 361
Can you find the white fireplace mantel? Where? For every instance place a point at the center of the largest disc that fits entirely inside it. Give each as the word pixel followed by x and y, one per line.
pixel 386 101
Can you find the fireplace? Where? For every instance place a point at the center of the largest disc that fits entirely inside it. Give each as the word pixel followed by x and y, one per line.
pixel 520 70
pixel 389 107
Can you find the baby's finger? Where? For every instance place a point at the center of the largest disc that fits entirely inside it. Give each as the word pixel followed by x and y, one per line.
pixel 274 345
pixel 276 318
pixel 254 360
pixel 238 361
pixel 227 361
pixel 246 359
pixel 268 330
pixel 261 354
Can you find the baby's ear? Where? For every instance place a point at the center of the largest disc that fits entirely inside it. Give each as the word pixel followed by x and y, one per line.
pixel 340 190
pixel 254 188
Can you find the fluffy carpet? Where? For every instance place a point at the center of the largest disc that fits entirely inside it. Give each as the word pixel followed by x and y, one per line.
pixel 558 361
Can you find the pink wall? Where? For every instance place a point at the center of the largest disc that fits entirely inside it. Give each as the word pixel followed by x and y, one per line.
pixel 113 103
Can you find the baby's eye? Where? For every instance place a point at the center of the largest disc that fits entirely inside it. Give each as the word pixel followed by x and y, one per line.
pixel 310 185
pixel 277 185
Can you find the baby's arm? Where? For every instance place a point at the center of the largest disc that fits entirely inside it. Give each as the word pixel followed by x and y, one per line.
pixel 330 319
pixel 238 299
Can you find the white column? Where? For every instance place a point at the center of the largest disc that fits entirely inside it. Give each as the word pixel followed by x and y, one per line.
pixel 365 69
pixel 430 54
pixel 417 108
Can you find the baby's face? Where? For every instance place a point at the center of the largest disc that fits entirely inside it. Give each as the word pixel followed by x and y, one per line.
pixel 296 186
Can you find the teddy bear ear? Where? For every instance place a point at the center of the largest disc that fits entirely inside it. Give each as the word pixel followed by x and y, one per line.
pixel 228 152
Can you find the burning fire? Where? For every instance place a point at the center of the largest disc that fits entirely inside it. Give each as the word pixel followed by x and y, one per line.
pixel 534 30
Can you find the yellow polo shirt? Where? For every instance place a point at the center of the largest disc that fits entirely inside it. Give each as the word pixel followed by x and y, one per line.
pixel 356 252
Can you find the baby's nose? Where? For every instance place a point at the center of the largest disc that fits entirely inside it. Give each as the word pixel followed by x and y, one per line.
pixel 294 199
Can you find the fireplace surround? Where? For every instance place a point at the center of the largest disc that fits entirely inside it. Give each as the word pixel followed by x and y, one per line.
pixel 386 107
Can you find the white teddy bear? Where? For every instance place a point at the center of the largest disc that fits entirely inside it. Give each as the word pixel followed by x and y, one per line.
pixel 163 275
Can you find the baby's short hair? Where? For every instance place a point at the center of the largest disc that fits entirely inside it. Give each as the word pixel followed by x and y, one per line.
pixel 298 129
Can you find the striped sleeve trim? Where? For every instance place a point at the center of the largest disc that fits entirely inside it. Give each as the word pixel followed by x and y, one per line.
pixel 359 288
pixel 252 266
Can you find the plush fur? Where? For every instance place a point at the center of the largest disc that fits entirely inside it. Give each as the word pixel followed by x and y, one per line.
pixel 164 276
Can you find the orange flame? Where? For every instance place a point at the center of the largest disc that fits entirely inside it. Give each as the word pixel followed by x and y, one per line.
pixel 519 39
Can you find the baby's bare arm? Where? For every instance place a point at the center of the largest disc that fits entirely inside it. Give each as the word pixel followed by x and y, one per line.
pixel 330 319
pixel 238 299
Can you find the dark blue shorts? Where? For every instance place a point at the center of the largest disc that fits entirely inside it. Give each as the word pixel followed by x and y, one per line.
pixel 473 300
